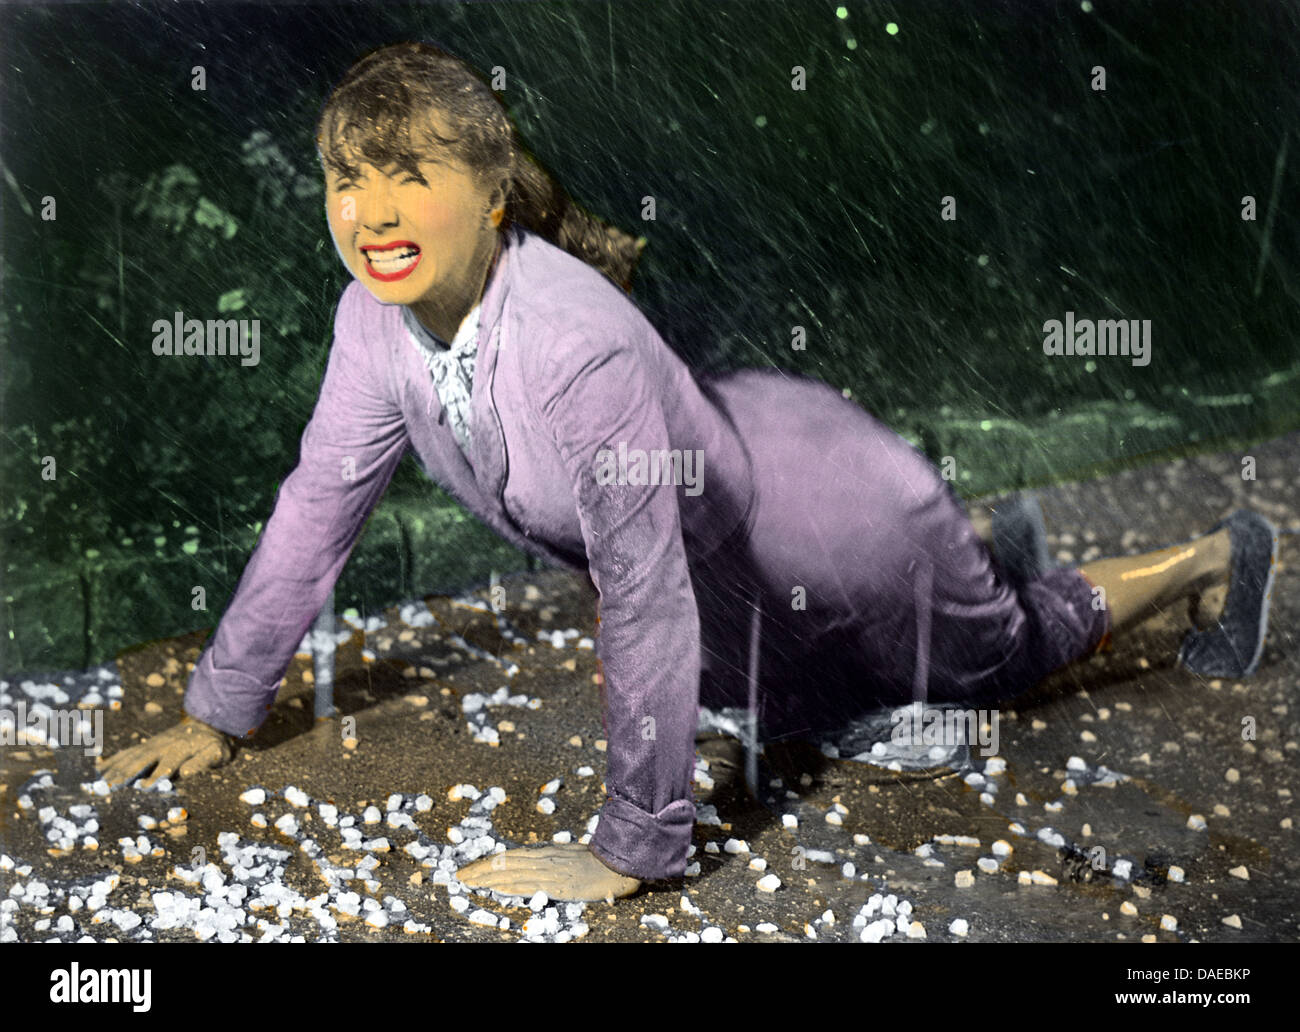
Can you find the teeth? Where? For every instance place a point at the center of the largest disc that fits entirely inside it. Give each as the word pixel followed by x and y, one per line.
pixel 393 259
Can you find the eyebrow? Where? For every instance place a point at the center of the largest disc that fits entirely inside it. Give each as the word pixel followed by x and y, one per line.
pixel 402 167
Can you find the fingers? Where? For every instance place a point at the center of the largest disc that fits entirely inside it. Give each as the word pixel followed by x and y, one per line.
pixel 206 758
pixel 528 857
pixel 170 757
pixel 183 750
pixel 564 871
pixel 123 769
pixel 125 765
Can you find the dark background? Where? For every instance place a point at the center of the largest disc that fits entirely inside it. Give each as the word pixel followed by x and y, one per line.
pixel 775 208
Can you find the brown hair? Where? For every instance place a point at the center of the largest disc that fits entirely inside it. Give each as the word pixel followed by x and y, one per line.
pixel 376 115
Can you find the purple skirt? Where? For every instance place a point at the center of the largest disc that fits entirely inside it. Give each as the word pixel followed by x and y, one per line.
pixel 857 579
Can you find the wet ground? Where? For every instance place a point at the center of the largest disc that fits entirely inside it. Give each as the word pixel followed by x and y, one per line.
pixel 1128 800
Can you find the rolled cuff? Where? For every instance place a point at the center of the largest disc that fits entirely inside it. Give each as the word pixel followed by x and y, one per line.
pixel 643 845
pixel 227 699
pixel 1066 623
pixel 1101 628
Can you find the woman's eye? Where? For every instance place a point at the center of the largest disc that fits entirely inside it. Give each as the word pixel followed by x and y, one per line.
pixel 344 184
pixel 414 177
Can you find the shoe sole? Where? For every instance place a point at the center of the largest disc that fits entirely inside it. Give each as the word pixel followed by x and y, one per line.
pixel 1258 652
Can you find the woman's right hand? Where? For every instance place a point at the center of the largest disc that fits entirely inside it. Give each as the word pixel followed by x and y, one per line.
pixel 187 748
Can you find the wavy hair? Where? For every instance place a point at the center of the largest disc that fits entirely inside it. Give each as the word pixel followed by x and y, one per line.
pixel 380 114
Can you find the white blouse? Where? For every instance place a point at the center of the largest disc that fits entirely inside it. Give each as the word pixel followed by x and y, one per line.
pixel 452 366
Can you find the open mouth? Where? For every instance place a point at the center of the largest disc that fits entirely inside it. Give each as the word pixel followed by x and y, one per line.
pixel 391 261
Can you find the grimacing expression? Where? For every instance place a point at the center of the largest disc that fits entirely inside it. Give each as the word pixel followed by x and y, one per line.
pixel 408 234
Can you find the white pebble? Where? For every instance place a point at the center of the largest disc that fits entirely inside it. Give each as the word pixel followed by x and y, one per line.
pixel 769 883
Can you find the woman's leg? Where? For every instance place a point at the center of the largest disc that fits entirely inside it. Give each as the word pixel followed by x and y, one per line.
pixel 979 639
pixel 1137 587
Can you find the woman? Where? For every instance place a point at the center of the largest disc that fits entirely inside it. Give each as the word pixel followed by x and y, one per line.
pixel 480 334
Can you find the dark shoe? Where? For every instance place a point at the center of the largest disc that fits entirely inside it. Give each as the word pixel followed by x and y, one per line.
pixel 1233 648
pixel 1020 539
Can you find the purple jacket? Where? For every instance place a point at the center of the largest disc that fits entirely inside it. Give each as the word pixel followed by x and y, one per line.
pixel 805 496
pixel 567 365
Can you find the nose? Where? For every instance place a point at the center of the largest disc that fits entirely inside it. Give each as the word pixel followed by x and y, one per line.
pixel 377 210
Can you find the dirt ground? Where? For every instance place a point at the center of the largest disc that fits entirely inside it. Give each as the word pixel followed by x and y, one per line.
pixel 1127 799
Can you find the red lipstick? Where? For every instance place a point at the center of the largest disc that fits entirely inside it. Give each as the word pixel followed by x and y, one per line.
pixel 391 261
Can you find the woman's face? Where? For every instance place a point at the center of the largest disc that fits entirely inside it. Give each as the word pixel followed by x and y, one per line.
pixel 412 236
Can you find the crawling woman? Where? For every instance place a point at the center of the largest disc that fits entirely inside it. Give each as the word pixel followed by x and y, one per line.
pixel 488 330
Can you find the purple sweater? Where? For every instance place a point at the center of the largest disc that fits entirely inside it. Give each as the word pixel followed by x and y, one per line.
pixel 567 366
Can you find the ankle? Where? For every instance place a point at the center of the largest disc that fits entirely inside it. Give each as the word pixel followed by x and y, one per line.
pixel 1213 563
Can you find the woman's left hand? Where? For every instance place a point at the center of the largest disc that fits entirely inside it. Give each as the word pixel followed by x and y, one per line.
pixel 565 871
